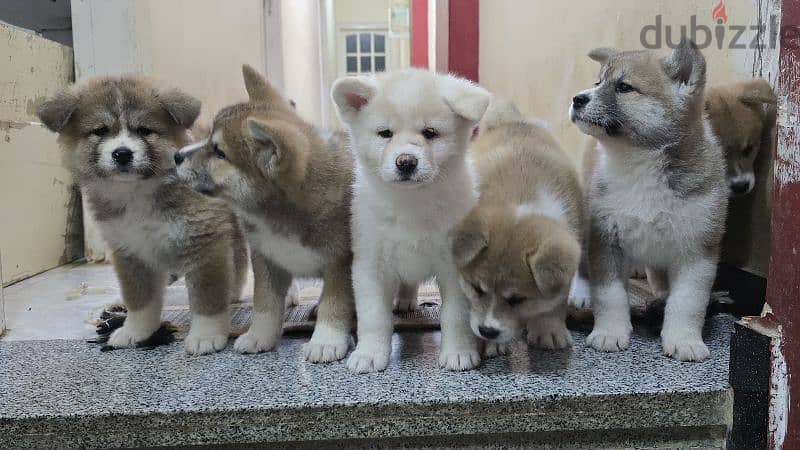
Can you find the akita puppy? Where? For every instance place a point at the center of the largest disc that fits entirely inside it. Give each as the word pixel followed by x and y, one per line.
pixel 409 130
pixel 743 117
pixel 658 195
pixel 290 183
pixel 518 250
pixel 120 135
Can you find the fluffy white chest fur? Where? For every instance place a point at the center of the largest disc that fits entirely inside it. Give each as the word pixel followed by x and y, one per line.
pixel 284 250
pixel 407 229
pixel 654 225
pixel 142 230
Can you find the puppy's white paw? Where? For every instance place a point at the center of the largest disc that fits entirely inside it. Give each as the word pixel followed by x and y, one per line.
pixel 403 304
pixel 554 336
pixel 253 342
pixel 204 345
pixel 579 293
pixel 326 345
pixel 128 337
pixel 684 348
pixel 465 358
pixel 364 360
pixel 495 349
pixel 208 334
pixel 611 339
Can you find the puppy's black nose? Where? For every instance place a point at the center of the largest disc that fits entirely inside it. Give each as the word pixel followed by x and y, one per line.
pixel 740 187
pixel 406 164
pixel 178 158
pixel 488 332
pixel 580 100
pixel 122 156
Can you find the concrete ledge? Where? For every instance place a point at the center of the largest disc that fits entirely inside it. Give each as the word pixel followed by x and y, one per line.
pixel 66 394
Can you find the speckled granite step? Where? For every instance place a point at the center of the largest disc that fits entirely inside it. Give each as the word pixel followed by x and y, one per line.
pixel 66 394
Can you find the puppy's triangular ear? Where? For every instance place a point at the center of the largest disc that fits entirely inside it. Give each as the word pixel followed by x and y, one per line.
pixel 56 112
pixel 464 97
pixel 468 239
pixel 554 263
pixel 257 87
pixel 182 107
pixel 757 92
pixel 351 95
pixel 280 150
pixel 602 54
pixel 687 66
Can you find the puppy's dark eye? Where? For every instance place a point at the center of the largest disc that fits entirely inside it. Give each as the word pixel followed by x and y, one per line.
pixel 218 152
pixel 598 82
pixel 100 131
pixel 624 87
pixel 516 299
pixel 478 289
pixel 144 131
pixel 429 133
pixel 386 134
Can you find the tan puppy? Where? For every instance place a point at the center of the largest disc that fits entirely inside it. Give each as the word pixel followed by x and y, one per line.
pixel 742 116
pixel 291 185
pixel 518 249
pixel 120 135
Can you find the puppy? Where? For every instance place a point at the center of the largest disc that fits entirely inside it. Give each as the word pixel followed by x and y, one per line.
pixel 743 117
pixel 518 249
pixel 413 183
pixel 658 195
pixel 120 135
pixel 290 183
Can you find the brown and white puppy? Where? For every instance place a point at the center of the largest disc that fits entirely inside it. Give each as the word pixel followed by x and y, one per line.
pixel 120 135
pixel 658 195
pixel 518 249
pixel 743 117
pixel 290 183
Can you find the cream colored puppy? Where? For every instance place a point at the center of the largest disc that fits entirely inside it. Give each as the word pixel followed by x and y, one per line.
pixel 409 131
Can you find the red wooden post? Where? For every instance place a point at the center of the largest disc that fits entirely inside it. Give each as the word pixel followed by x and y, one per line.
pixel 783 288
pixel 419 33
pixel 462 46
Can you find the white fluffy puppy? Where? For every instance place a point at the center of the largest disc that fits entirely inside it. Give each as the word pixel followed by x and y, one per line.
pixel 410 130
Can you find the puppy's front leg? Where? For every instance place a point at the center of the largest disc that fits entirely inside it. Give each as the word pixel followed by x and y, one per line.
pixel 406 299
pixel 608 283
pixel 690 291
pixel 211 287
pixel 373 298
pixel 143 295
pixel 271 285
pixel 331 337
pixel 549 330
pixel 460 350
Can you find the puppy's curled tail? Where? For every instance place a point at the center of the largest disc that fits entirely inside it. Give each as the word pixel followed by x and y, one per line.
pixel 501 111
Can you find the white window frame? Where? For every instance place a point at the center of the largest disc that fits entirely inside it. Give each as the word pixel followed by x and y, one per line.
pixel 341 58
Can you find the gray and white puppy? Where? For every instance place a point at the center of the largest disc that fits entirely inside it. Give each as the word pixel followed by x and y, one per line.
pixel 291 185
pixel 658 195
pixel 120 135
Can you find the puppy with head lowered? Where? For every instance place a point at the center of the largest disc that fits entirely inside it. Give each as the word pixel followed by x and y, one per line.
pixel 409 130
pixel 518 249
pixel 120 135
pixel 658 195
pixel 290 183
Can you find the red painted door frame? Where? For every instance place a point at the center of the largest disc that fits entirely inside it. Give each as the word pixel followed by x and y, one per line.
pixel 783 286
pixel 419 33
pixel 462 39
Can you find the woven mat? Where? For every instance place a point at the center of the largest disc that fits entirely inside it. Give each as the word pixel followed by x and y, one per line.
pixel 301 318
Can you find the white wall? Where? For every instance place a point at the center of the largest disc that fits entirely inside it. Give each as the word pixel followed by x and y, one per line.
pixel 34 186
